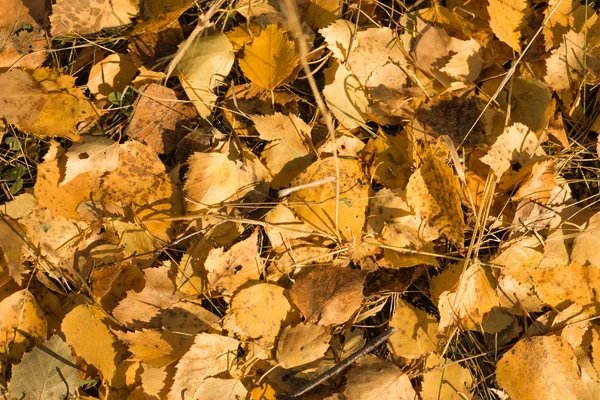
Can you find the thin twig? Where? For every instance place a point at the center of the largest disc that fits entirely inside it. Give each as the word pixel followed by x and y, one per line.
pixel 342 365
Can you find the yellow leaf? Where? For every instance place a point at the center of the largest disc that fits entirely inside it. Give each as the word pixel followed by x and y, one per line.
pixel 433 192
pixel 338 36
pixel 249 304
pixel 150 347
pixel 376 379
pixel 346 96
pixel 302 344
pixel 540 367
pixel 221 388
pixel 45 104
pixel 90 337
pixel 22 324
pixel 320 13
pixel 210 355
pixel 289 151
pixel 507 18
pixel 317 206
pixel 112 74
pixel 448 382
pixel 270 59
pixel 417 331
pixel 225 176
pixel 204 66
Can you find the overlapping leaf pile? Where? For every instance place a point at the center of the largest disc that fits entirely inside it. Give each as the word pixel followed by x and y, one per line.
pixel 229 225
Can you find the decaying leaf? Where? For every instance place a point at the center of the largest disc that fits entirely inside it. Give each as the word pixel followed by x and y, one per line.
pixel 45 103
pixel 328 295
pixel 541 366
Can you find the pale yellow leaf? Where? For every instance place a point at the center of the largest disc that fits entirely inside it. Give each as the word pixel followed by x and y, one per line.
pixel 221 388
pixel 97 154
pixel 448 382
pixel 112 74
pixel 507 18
pixel 338 36
pixel 345 95
pixel 417 331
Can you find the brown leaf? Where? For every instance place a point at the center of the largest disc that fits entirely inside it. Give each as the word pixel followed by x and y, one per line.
pixel 159 118
pixel 328 295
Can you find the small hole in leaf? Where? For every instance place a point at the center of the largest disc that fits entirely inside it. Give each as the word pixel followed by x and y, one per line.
pixel 84 156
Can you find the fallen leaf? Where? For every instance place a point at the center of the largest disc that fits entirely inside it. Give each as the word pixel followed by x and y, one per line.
pixel 88 16
pixel 507 19
pixel 209 355
pixel 86 332
pixel 221 176
pixel 540 367
pixel 320 13
pixel 328 295
pixel 375 379
pixel 338 36
pixel 21 48
pixel 270 59
pixel 45 104
pixel 204 66
pixel 248 306
pixel 112 74
pixel 317 206
pixel 158 118
pixel 47 372
pixel 96 154
pixel 434 194
pixel 289 151
pixel 442 381
pixel 221 388
pixel 417 331
pixel 22 324
pixel 302 344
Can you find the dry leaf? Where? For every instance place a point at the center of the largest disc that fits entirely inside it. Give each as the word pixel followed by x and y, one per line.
pixel 540 367
pixel 83 17
pixel 317 206
pixel 209 355
pixel 289 151
pixel 204 66
pixel 416 335
pixel 321 13
pixel 21 48
pixel 228 175
pixel 442 381
pixel 338 36
pixel 433 192
pixel 507 19
pixel 270 59
pixel 86 332
pixel 112 74
pixel 249 304
pixel 22 324
pixel 375 379
pixel 220 388
pixel 96 155
pixel 45 104
pixel 345 96
pixel 328 295
pixel 302 344
pixel 47 372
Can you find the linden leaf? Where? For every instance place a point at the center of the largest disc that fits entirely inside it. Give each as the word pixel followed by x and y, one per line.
pixel 270 59
pixel 417 331
pixel 159 119
pixel 317 206
pixel 507 18
pixel 47 372
pixel 248 305
pixel 290 149
pixel 90 337
pixel 210 355
pixel 376 379
pixel 433 191
pixel 540 367
pixel 22 324
pixel 204 66
pixel 302 344
pixel 45 104
pixel 328 295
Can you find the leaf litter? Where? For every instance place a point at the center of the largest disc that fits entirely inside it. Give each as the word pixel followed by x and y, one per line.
pixel 181 219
